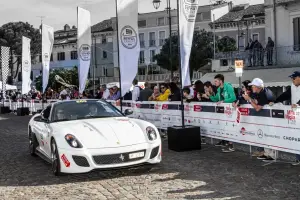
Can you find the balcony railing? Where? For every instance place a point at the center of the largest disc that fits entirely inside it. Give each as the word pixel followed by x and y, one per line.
pixel 153 78
pixel 288 56
pixel 152 43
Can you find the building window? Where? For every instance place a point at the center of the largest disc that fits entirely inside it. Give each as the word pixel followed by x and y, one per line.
pixel 152 54
pixel 296 31
pixel 61 56
pixel 51 57
pixel 141 71
pixel 103 40
pixel 161 21
pixel 142 57
pixel 104 54
pixel 162 37
pixel 142 23
pixel 199 17
pixel 255 36
pixel 152 39
pixel 174 20
pixel 74 55
pixel 142 39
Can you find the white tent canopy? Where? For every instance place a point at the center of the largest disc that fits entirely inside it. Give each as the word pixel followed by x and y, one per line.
pixel 8 87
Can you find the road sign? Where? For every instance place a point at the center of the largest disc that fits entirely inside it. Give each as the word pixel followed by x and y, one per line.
pixel 239 65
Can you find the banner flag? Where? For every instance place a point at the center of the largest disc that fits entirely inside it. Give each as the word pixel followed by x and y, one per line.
pixel 129 45
pixel 187 17
pixel 47 45
pixel 84 42
pixel 26 65
pixel 5 69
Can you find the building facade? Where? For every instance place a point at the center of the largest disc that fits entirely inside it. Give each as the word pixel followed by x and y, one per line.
pixel 153 31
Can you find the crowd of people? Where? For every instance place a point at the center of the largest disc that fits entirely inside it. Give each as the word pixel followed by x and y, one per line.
pixel 253 92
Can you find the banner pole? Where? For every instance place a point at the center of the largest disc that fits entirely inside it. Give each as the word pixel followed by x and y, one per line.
pixel 120 80
pixel 180 71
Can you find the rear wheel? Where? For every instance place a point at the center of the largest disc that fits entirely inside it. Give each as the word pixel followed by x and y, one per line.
pixel 55 159
pixel 33 144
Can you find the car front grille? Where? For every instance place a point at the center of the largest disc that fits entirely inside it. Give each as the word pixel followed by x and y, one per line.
pixel 81 161
pixel 116 158
pixel 154 152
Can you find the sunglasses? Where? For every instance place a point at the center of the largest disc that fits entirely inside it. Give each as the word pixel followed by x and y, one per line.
pixel 162 88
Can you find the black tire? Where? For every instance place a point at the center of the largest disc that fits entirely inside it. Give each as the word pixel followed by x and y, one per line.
pixel 33 144
pixel 55 159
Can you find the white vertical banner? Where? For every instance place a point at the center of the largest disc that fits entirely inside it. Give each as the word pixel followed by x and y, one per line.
pixel 47 45
pixel 26 65
pixel 187 17
pixel 84 42
pixel 129 45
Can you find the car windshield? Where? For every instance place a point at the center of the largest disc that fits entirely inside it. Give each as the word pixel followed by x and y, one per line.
pixel 83 109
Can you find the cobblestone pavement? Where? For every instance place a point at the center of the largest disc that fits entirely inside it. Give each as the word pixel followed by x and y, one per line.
pixel 206 174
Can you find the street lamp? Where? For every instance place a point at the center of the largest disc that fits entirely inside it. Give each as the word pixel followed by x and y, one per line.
pixel 156 4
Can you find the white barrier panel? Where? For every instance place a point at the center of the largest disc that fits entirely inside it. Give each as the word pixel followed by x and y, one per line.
pixel 276 127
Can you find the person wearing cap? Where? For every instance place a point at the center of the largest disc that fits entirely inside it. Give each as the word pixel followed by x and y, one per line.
pixel 263 97
pixel 293 95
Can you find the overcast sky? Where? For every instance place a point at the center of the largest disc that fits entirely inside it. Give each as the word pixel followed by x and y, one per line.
pixel 60 12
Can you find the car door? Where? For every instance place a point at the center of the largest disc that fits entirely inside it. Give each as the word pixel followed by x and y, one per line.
pixel 43 133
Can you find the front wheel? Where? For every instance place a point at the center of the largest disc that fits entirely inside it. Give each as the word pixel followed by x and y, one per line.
pixel 55 159
pixel 33 144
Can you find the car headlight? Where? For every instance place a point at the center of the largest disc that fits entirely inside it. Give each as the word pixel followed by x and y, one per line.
pixel 72 141
pixel 151 133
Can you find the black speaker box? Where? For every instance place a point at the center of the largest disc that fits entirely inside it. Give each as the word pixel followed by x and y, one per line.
pixel 4 110
pixel 186 138
pixel 22 111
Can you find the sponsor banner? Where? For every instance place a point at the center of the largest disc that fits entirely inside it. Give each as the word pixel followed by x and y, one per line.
pixel 187 16
pixel 84 36
pixel 276 127
pixel 129 45
pixel 47 45
pixel 26 65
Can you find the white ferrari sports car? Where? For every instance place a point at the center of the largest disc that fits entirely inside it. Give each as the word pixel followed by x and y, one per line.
pixel 79 136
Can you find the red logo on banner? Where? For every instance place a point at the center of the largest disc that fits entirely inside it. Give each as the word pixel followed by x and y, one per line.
pixel 291 115
pixel 197 108
pixel 228 111
pixel 187 108
pixel 244 111
pixel 65 160
pixel 165 106
pixel 243 130
pixel 156 107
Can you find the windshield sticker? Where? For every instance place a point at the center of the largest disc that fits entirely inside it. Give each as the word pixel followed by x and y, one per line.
pixel 81 101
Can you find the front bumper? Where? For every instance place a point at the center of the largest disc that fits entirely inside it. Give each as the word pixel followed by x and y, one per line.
pixel 82 161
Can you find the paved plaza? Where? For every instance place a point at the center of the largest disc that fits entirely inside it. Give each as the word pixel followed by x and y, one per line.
pixel 206 174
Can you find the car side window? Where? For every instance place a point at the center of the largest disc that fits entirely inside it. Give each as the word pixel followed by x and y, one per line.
pixel 46 112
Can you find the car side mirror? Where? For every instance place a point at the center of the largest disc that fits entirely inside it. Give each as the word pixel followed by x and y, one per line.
pixel 128 112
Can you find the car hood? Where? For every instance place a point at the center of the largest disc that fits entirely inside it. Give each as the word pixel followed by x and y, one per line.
pixel 104 132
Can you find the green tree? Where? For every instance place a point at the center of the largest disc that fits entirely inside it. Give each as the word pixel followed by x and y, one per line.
pixel 201 53
pixel 11 36
pixel 226 44
pixel 70 76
